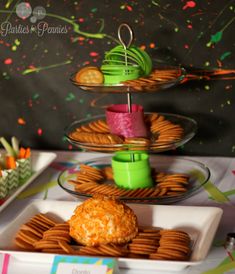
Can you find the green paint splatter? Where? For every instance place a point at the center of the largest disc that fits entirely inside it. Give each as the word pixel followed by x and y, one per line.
pixel 70 97
pixel 207 87
pixel 176 29
pixel 215 38
pixel 233 149
pixel 81 101
pixel 155 3
pixel 36 96
pixel 17 42
pixel 8 4
pixel 5 76
pixel 27 71
pixel 224 55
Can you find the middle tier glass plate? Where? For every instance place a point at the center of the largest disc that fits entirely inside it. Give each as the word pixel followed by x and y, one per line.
pixel 155 144
pixel 197 175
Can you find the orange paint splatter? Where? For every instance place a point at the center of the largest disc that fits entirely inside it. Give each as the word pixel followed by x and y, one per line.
pixel 21 121
pixel 152 45
pixel 143 47
pixel 219 63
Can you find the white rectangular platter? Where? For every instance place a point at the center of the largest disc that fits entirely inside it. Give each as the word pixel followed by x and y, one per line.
pixel 200 222
pixel 40 161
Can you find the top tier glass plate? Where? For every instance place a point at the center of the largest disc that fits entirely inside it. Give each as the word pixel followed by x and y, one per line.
pixel 166 77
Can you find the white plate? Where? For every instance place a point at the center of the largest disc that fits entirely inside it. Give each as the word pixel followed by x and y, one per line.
pixel 200 222
pixel 40 161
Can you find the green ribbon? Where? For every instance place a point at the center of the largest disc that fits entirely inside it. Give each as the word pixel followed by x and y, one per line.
pixel 35 190
pixel 221 269
pixel 224 266
pixel 210 188
pixel 215 193
pixel 227 259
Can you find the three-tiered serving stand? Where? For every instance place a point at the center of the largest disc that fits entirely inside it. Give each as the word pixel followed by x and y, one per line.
pixel 197 172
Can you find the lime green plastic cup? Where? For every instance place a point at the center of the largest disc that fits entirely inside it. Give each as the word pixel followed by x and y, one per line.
pixel 131 169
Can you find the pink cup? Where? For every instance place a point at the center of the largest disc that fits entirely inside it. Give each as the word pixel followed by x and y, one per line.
pixel 126 124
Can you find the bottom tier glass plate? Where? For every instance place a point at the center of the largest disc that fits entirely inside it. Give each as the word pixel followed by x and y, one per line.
pixel 197 175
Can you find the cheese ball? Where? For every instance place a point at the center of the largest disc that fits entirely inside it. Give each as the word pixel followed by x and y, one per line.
pixel 103 220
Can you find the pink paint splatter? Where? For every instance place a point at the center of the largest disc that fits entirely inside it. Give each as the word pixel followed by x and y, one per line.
pixel 190 26
pixel 129 8
pixel 189 4
pixel 30 103
pixel 39 131
pixel 8 61
pixel 93 54
pixel 186 46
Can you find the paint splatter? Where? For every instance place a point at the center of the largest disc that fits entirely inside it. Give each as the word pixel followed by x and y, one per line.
pixel 8 61
pixel 189 4
pixel 70 97
pixel 93 54
pixel 21 121
pixel 224 55
pixel 39 131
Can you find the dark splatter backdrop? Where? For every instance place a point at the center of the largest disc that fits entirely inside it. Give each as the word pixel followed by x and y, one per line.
pixel 38 101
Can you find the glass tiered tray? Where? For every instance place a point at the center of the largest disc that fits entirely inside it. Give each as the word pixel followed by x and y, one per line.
pixel 166 77
pixel 188 125
pixel 197 173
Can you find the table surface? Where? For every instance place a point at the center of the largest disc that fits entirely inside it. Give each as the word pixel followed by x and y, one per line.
pixel 222 194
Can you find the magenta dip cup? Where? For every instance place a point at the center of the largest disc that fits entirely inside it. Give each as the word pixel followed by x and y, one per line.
pixel 124 123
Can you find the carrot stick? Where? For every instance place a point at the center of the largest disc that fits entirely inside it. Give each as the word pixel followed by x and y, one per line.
pixel 22 153
pixel 27 153
pixel 10 162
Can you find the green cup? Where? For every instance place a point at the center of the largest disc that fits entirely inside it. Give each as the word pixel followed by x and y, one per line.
pixel 131 169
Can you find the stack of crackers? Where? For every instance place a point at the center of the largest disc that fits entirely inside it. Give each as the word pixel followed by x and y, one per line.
pixel 92 180
pixel 43 234
pixel 162 134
